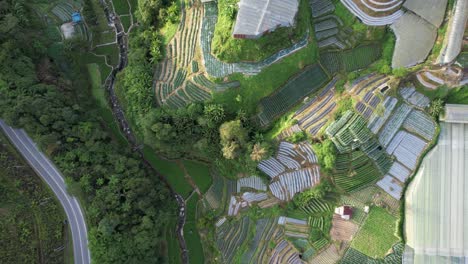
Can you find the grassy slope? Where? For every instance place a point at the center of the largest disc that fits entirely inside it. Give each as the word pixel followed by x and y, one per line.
pixel 200 174
pixel 229 49
pixel 172 172
pixel 376 236
pixel 191 233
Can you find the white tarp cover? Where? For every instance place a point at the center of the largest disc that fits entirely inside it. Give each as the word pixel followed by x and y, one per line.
pixel 436 222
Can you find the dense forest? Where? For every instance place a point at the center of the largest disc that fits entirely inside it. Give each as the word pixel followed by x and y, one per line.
pixel 126 206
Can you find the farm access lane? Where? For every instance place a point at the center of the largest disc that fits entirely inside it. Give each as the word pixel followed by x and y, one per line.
pixel 49 173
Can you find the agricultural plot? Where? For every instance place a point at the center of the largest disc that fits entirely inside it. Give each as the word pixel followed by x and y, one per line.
pixel 214 195
pixel 370 91
pixel 435 213
pixel 376 237
pixel 191 235
pixel 306 82
pixel 293 170
pixel 350 60
pixel 230 236
pixel 353 256
pixel 414 98
pixel 391 186
pixel 394 124
pixel 420 123
pixel 342 230
pixel 200 174
pixel 350 132
pixel 328 255
pixel 252 182
pixel 284 252
pixel 290 183
pixel 173 85
pixel 313 115
pixel 264 228
pixel 355 171
pixel 387 118
pixel 317 206
pixel 376 121
pixel 406 148
pixel 294 228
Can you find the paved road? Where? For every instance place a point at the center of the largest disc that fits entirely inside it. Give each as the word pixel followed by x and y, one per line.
pixel 44 168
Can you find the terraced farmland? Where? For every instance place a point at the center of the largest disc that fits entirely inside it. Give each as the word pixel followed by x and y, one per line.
pixel 355 171
pixel 313 115
pixel 230 236
pixel 293 170
pixel 172 79
pixel 350 60
pixel 299 86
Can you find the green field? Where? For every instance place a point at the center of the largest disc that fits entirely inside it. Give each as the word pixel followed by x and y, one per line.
pixel 31 219
pixel 169 169
pixel 200 174
pixel 191 233
pixel 376 236
pixel 126 22
pixel 173 249
pixel 96 84
pixel 350 60
pixel 111 52
pixel 121 7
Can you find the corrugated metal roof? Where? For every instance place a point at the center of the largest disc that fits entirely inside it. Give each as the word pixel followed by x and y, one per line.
pixel 257 16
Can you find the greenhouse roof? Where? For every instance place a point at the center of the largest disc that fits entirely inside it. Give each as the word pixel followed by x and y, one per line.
pixel 415 38
pixel 258 16
pixel 456 113
pixel 431 10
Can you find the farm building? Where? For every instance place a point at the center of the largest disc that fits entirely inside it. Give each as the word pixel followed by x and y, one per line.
pixel 76 17
pixel 345 212
pixel 257 17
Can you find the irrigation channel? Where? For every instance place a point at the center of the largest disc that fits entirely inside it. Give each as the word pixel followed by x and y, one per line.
pixel 122 41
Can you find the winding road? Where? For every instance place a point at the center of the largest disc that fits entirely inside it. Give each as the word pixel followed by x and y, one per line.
pixel 49 173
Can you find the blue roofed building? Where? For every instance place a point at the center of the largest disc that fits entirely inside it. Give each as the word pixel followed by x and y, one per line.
pixel 76 17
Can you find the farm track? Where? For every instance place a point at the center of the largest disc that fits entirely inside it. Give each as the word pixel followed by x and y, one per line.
pixel 119 115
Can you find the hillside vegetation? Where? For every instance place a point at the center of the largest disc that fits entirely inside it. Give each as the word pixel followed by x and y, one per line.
pixel 229 49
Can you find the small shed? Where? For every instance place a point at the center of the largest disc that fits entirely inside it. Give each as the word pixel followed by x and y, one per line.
pixel 345 212
pixel 76 17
